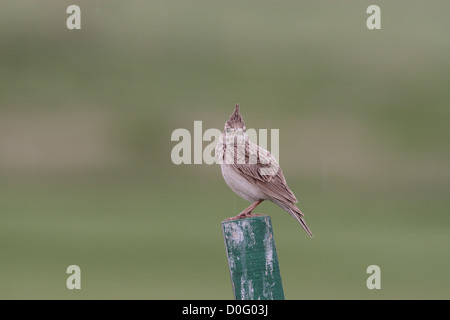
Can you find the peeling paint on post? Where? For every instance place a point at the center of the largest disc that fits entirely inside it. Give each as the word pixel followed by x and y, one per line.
pixel 252 259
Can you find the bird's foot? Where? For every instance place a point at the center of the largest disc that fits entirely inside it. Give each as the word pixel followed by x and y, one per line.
pixel 244 215
pixel 247 213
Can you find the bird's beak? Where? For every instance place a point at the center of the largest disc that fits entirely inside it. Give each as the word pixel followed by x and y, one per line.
pixel 236 120
pixel 236 115
pixel 236 112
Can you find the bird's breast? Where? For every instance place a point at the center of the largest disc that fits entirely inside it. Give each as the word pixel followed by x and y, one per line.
pixel 240 185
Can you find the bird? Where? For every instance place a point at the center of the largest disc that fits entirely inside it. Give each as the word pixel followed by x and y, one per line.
pixel 252 172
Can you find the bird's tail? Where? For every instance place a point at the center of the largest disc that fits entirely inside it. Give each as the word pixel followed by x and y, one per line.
pixel 295 212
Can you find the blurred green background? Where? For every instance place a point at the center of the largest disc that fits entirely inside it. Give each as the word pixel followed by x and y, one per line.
pixel 86 119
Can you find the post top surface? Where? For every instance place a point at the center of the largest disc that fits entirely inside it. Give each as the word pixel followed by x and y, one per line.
pixel 256 216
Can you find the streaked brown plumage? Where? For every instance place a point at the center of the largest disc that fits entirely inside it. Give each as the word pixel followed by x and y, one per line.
pixel 252 172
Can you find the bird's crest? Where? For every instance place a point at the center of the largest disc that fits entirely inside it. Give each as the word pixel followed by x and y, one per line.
pixel 235 120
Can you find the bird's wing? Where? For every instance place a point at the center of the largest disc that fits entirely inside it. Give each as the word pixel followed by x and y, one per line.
pixel 265 173
pixel 277 188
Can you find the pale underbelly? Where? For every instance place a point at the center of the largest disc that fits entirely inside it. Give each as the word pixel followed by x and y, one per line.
pixel 240 185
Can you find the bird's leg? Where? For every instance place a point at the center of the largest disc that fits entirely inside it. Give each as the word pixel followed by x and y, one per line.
pixel 247 212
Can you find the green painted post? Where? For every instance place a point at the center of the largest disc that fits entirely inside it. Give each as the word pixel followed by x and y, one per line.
pixel 252 259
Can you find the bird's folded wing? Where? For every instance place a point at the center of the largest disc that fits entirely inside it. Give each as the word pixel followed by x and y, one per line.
pixel 277 188
pixel 266 174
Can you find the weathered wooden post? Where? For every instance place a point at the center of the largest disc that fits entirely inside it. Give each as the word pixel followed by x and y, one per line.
pixel 252 259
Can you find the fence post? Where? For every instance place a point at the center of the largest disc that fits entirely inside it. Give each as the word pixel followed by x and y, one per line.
pixel 252 259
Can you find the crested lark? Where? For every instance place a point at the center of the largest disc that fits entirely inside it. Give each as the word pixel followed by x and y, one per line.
pixel 252 172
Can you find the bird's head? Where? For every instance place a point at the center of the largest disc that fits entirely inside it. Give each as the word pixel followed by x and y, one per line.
pixel 235 125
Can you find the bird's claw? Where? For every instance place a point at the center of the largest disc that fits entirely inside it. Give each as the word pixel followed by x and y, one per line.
pixel 243 215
